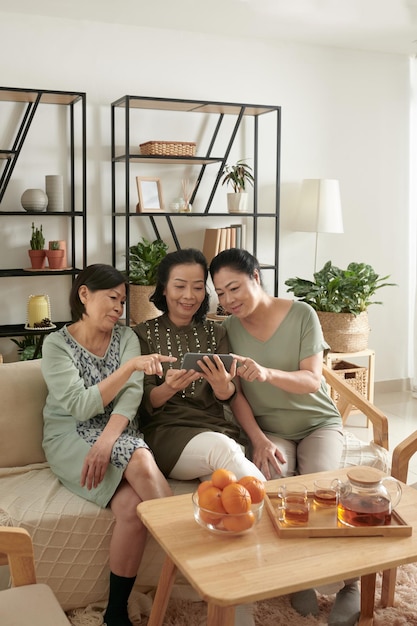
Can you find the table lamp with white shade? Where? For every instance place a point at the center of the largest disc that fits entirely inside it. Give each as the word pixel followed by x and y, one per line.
pixel 319 208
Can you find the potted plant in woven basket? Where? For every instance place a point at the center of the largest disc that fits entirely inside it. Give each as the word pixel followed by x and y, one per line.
pixel 341 298
pixel 144 258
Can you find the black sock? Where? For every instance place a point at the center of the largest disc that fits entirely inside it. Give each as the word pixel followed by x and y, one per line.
pixel 116 613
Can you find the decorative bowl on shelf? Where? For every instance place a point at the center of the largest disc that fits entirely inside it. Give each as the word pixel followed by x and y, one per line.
pixel 221 523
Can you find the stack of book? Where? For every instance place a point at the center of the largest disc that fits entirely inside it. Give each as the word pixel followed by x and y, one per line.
pixel 218 239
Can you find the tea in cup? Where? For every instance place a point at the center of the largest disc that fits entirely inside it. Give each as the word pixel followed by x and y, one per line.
pixel 325 492
pixel 295 506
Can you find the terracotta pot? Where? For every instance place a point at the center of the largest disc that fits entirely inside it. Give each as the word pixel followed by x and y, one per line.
pixel 37 258
pixel 140 309
pixel 55 258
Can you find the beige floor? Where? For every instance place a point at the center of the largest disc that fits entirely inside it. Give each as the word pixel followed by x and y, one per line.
pixel 401 409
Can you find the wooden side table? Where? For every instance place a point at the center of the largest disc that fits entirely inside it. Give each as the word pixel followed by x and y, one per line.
pixel 333 357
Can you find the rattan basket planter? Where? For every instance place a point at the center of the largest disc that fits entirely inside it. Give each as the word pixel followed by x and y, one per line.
pixel 345 332
pixel 140 309
pixel 168 148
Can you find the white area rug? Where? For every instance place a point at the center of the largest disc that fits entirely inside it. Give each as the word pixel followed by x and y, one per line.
pixel 278 611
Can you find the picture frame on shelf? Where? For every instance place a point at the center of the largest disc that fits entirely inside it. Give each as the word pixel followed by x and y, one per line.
pixel 150 195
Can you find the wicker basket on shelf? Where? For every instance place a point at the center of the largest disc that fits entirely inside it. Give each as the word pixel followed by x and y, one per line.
pixel 354 375
pixel 168 148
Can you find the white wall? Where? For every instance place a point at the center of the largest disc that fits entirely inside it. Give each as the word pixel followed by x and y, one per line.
pixel 344 114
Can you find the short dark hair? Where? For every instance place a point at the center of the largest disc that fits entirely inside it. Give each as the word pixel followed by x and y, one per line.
pixel 183 256
pixel 95 277
pixel 237 259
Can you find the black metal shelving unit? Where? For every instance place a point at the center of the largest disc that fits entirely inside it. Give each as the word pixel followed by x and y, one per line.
pixel 31 100
pixel 129 106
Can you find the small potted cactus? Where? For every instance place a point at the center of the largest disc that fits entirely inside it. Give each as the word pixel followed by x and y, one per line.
pixel 37 251
pixel 55 255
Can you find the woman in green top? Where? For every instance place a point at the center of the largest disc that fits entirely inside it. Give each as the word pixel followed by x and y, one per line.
pixel 290 419
pixel 94 373
pixel 182 414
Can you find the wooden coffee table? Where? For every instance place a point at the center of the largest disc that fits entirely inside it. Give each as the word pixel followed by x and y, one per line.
pixel 227 571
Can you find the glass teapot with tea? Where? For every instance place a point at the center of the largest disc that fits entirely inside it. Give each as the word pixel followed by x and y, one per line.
pixel 367 498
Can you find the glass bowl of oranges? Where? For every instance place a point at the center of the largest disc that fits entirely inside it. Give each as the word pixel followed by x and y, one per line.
pixel 227 506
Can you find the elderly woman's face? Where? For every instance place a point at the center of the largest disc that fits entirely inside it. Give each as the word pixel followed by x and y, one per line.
pixel 184 292
pixel 238 293
pixel 105 306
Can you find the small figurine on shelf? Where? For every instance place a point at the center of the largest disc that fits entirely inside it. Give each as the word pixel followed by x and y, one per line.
pixel 37 252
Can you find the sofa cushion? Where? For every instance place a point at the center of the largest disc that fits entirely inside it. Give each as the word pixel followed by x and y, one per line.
pixel 23 394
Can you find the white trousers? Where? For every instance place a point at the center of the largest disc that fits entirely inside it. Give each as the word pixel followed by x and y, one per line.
pixel 209 451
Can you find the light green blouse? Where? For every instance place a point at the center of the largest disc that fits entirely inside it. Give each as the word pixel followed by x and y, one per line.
pixel 288 415
pixel 70 400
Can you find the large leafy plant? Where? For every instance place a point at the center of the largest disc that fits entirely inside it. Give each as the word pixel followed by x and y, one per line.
pixel 340 291
pixel 238 176
pixel 144 258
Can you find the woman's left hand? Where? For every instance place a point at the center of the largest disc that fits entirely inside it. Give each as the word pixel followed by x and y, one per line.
pixel 214 371
pixel 95 464
pixel 250 370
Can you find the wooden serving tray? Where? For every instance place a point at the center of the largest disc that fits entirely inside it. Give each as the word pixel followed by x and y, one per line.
pixel 323 522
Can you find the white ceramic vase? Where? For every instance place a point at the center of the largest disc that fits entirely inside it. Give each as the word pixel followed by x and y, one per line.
pixel 34 200
pixel 55 191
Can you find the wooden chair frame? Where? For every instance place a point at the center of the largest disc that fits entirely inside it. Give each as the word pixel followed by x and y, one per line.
pixel 399 469
pixel 349 397
pixel 16 551
pixel 30 602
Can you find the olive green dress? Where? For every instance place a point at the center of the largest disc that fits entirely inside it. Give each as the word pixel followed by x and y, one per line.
pixel 169 428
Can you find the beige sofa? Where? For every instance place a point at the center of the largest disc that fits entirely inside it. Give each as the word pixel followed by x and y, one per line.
pixel 71 536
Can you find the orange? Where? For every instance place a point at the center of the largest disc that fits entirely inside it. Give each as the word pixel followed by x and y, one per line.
pixel 237 523
pixel 211 500
pixel 203 486
pixel 222 477
pixel 255 487
pixel 236 498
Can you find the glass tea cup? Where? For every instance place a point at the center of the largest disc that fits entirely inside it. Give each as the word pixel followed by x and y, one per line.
pixel 326 492
pixel 295 505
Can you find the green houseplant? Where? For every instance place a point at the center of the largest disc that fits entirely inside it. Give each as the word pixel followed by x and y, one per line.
pixel 37 245
pixel 238 176
pixel 144 259
pixel 26 347
pixel 341 298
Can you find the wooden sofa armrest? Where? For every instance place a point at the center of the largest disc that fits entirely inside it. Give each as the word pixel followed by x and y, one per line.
pixel 349 397
pixel 402 455
pixel 16 550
